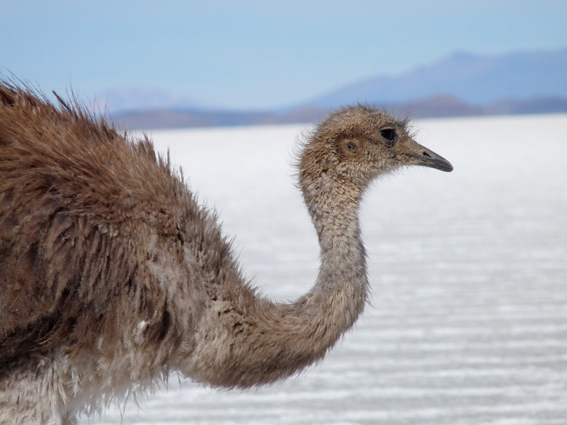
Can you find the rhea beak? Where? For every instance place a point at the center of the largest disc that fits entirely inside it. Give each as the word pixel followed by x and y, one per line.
pixel 428 158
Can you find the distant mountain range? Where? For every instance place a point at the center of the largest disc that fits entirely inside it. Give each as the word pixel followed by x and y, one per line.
pixel 474 79
pixel 459 85
pixel 120 99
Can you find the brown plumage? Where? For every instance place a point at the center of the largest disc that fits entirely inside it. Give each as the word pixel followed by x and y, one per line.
pixel 112 276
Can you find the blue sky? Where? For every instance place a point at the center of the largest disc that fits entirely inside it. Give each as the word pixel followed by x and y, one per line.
pixel 256 54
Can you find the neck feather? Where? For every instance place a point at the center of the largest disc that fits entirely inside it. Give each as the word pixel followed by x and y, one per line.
pixel 253 341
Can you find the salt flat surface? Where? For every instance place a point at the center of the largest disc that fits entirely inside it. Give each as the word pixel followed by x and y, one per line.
pixel 468 322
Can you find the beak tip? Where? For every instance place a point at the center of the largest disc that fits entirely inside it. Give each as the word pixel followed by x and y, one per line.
pixel 448 167
pixel 433 160
pixel 427 158
pixel 437 162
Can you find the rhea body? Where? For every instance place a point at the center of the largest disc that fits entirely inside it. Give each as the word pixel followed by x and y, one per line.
pixel 112 276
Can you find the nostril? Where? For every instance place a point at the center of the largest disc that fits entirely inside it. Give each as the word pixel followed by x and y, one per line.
pixel 426 154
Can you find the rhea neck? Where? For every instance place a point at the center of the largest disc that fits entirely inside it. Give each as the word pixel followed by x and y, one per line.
pixel 333 204
pixel 290 336
pixel 342 282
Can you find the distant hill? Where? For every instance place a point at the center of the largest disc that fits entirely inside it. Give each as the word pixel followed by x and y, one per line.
pixel 121 99
pixel 437 106
pixel 462 84
pixel 472 78
pixel 171 118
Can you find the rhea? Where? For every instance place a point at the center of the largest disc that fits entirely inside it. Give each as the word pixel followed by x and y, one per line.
pixel 113 276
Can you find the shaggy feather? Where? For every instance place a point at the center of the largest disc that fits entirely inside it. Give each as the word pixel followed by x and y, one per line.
pixel 112 276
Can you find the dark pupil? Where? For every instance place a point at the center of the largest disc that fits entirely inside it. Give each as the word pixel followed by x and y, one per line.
pixel 388 134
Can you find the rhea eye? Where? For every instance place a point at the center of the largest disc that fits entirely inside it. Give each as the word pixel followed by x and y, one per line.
pixel 388 134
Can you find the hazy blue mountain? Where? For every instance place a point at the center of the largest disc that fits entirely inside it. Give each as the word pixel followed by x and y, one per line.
pixel 474 79
pixel 172 118
pixel 436 106
pixel 122 99
pixel 462 84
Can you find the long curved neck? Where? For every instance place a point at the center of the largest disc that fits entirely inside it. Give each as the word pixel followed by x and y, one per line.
pixel 340 292
pixel 256 341
pixel 338 297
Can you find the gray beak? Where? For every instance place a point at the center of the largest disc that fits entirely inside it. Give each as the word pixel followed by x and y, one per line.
pixel 428 158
